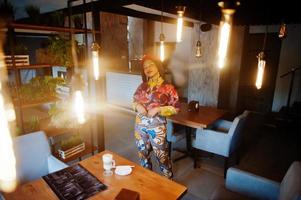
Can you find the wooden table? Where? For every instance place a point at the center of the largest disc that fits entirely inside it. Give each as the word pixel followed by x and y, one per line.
pixel 203 118
pixel 149 184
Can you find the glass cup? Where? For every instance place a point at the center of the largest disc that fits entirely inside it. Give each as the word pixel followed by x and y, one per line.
pixel 108 164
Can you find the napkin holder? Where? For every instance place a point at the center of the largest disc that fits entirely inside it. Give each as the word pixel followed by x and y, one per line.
pixel 193 106
pixel 126 194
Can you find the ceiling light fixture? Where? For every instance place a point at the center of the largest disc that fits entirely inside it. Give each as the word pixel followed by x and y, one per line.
pixel 282 31
pixel 260 69
pixel 95 48
pixel 198 50
pixel 261 62
pixel 78 86
pixel 228 9
pixel 162 49
pixel 180 11
pixel 162 37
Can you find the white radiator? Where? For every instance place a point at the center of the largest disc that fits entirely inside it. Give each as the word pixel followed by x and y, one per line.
pixel 121 87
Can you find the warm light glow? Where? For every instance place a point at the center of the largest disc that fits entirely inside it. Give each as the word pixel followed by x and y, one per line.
pixel 224 37
pixel 7 158
pixel 260 72
pixel 162 54
pixel 179 27
pixel 79 107
pixel 95 60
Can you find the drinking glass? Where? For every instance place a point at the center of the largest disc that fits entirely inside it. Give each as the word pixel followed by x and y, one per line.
pixel 108 164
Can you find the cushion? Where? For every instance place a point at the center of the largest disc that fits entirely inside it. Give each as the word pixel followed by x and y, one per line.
pixel 290 188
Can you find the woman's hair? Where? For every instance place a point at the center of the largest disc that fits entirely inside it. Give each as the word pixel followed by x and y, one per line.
pixel 157 63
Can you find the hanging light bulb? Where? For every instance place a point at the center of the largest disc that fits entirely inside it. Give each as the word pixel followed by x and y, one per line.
pixel 8 180
pixel 162 50
pixel 260 69
pixel 180 11
pixel 162 37
pixel 78 85
pixel 283 31
pixel 228 9
pixel 95 59
pixel 198 53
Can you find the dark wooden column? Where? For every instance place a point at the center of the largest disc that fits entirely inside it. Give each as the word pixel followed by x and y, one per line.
pixel 148 36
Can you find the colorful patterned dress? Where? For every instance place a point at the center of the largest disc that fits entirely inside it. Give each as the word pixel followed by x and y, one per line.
pixel 150 133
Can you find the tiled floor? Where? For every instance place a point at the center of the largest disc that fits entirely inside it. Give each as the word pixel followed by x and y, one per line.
pixel 201 182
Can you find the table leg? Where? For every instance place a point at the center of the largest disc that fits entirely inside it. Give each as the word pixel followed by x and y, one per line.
pixel 188 152
pixel 188 139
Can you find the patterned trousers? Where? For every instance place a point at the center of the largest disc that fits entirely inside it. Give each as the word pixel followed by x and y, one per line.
pixel 153 139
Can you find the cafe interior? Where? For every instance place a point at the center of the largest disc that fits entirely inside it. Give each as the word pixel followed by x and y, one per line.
pixel 72 84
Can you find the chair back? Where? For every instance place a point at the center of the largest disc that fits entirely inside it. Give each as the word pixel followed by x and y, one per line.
pixel 236 129
pixel 175 132
pixel 169 131
pixel 31 151
pixel 290 188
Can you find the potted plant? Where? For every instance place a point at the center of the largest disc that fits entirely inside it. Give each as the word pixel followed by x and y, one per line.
pixel 20 55
pixel 56 19
pixel 33 13
pixel 61 115
pixel 58 52
pixel 7 11
pixel 21 49
pixel 71 146
pixel 40 89
pixel 78 21
pixel 33 124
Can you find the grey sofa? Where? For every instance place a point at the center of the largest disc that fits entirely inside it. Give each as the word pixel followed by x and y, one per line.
pixel 244 185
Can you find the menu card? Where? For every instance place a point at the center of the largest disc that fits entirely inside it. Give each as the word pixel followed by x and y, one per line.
pixel 74 183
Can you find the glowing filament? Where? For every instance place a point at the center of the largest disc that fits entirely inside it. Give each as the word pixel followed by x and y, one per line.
pixel 79 107
pixel 162 54
pixel 260 72
pixel 95 60
pixel 224 37
pixel 179 27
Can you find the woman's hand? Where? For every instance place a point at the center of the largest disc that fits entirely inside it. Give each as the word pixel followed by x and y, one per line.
pixel 152 112
pixel 140 109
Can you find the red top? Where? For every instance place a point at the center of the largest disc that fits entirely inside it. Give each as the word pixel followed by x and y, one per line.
pixel 160 95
